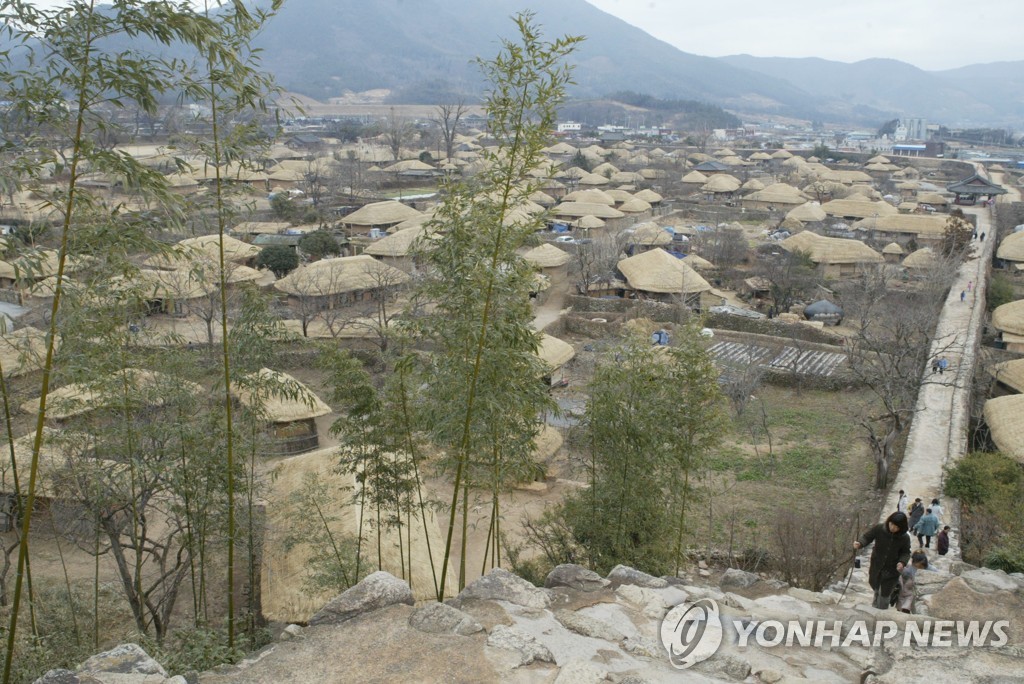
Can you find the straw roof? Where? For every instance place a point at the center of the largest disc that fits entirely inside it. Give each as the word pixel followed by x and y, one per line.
pixel 342 274
pixel 916 224
pixel 591 196
pixel 781 154
pixel 650 233
pixel 63 465
pixel 1010 318
pixel 634 206
pixel 547 256
pixel 576 209
pixel 826 250
pixel 605 168
pixel 759 156
pixel 261 227
pixel 397 244
pixel 554 352
pixel 408 165
pixel 923 259
pixel 932 198
pixel 182 284
pixel 649 196
pixel 627 177
pixel 24 350
pixel 284 593
pixel 205 247
pixel 560 148
pixel 593 179
pixel 1003 416
pixel 542 198
pixel 892 248
pixel 753 184
pixel 695 177
pixel 698 263
pixel 1010 373
pixel 588 221
pixel 659 271
pixel 619 195
pixel 807 212
pixel 878 159
pixel 858 208
pixel 145 387
pixel 279 397
pixel 41 263
pixel 778 193
pixel 721 182
pixel 848 176
pixel 1012 247
pixel 380 213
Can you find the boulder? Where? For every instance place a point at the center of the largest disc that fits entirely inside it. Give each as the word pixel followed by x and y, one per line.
pixel 958 601
pixel 580 672
pixel 588 626
pixel 501 585
pixel 66 677
pixel 377 591
pixel 515 640
pixel 622 574
pixel 290 632
pixel 734 579
pixel 123 659
pixel 440 618
pixel 987 580
pixel 575 577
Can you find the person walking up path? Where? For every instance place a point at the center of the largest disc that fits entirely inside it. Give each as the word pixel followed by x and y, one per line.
pixel 890 555
pixel 926 528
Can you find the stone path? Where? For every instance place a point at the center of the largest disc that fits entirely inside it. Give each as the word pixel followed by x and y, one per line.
pixel 806 362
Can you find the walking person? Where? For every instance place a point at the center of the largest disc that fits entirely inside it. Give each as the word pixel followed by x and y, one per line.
pixel 970 284
pixel 982 237
pixel 890 555
pixel 963 295
pixel 916 511
pixel 943 364
pixel 937 510
pixel 942 541
pixel 926 528
pixel 901 503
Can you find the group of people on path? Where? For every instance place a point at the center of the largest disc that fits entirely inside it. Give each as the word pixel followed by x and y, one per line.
pixel 893 567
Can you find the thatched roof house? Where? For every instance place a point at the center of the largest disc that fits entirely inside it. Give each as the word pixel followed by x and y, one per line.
pixel 658 273
pixel 23 351
pixel 648 235
pixel 588 221
pixel 808 212
pixel 1010 374
pixel 1012 248
pixel 397 249
pixel 547 256
pixel 1003 416
pixel 921 260
pixel 206 247
pixel 378 215
pixel 858 208
pixel 698 263
pixel 261 227
pixel 837 257
pixel 1009 320
pixel 288 405
pixel 694 178
pixel 555 353
pixel 634 206
pixel 892 252
pixel 721 183
pixel 924 228
pixel 579 209
pixel 345 276
pixel 775 196
pixel 591 196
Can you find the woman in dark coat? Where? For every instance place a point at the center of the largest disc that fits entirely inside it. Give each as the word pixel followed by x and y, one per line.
pixel 888 558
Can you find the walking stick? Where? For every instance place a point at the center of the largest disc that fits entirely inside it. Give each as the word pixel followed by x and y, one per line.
pixel 849 576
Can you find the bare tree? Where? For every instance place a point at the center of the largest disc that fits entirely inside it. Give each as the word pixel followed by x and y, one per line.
pixel 447 121
pixel 596 261
pixel 397 132
pixel 791 276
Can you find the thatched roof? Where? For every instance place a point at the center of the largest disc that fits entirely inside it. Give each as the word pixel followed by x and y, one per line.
pixel 917 224
pixel 380 214
pixel 759 156
pixel 1012 247
pixel 634 206
pixel 778 193
pixel 343 274
pixel 659 271
pixel 408 165
pixel 695 178
pixel 1003 416
pixel 41 263
pixel 588 221
pixel 281 398
pixel 752 185
pixel 858 208
pixel 605 169
pixel 922 259
pixel 893 248
pixel 182 284
pixel 554 352
pixel 145 388
pixel 593 179
pixel 724 152
pixel 627 177
pixel 649 233
pixel 205 247
pixel 619 195
pixel 721 182
pixel 547 256
pixel 878 159
pixel 649 196
pixel 933 198
pixel 826 250
pixel 560 148
pixel 698 263
pixel 23 351
pixel 591 196
pixel 1010 318
pixel 261 227
pixel 1010 373
pixel 63 465
pixel 781 154
pixel 807 212
pixel 397 244
pixel 577 209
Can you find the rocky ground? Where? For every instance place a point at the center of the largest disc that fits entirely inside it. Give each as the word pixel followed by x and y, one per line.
pixel 584 628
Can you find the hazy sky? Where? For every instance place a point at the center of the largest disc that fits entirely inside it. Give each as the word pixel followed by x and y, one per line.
pixel 930 34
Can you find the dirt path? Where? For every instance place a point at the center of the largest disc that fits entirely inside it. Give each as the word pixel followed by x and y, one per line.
pixel 551 309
